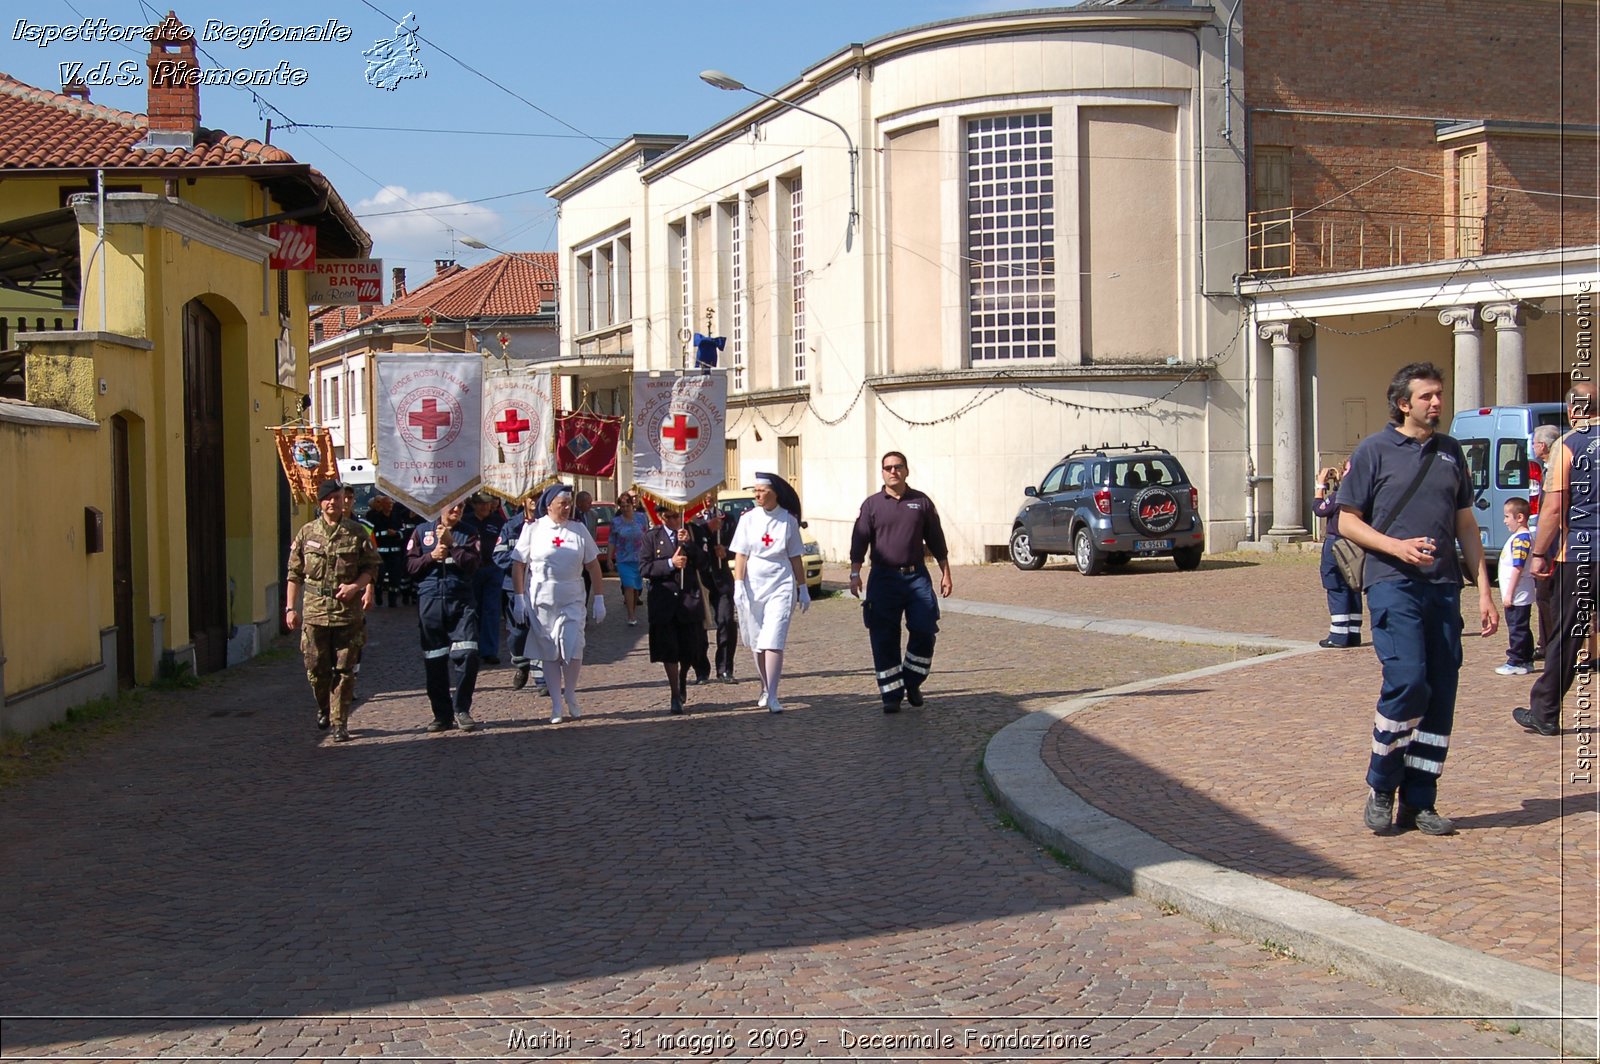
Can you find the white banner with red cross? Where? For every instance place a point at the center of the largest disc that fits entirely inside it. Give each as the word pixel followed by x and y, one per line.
pixel 429 424
pixel 519 452
pixel 679 423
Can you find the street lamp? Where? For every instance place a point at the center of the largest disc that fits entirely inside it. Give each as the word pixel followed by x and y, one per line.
pixel 733 84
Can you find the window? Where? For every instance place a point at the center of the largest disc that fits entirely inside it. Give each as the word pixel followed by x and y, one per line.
pixel 358 402
pixel 330 396
pixel 1052 481
pixel 736 293
pixel 583 298
pixel 1469 201
pixel 789 459
pixel 1077 476
pixel 1511 460
pixel 678 235
pixel 1476 452
pixel 604 294
pixel 1272 242
pixel 798 263
pixel 1011 311
pixel 730 457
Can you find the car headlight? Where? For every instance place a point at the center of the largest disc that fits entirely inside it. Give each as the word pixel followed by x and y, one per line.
pixel 811 548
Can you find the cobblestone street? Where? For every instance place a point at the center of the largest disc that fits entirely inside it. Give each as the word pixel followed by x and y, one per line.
pixel 224 883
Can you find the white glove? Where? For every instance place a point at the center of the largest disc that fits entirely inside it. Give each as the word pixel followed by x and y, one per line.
pixel 520 608
pixel 803 598
pixel 599 609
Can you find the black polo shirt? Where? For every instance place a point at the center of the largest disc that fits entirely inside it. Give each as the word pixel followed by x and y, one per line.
pixel 896 529
pixel 1381 469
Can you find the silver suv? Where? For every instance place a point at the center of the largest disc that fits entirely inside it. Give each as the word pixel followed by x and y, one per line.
pixel 1107 505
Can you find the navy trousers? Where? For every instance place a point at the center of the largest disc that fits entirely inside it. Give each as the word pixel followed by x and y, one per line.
pixel 449 652
pixel 891 597
pixel 1416 631
pixel 1344 603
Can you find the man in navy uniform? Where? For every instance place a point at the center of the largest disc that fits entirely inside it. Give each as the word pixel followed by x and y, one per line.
pixel 442 560
pixel 899 526
pixel 483 522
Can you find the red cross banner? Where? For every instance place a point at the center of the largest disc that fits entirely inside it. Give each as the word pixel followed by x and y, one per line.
pixel 429 428
pixel 519 453
pixel 586 444
pixel 678 430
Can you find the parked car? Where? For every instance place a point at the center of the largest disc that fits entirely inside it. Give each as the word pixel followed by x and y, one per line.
pixel 1108 505
pixel 735 503
pixel 1498 444
pixel 600 515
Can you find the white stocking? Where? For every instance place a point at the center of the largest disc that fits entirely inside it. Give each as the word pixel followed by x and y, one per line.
pixel 771 670
pixel 569 683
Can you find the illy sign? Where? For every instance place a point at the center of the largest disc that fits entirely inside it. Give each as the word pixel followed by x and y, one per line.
pixel 297 246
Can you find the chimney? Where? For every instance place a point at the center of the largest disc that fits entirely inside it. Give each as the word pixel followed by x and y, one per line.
pixel 174 93
pixel 76 89
pixel 441 265
pixel 399 283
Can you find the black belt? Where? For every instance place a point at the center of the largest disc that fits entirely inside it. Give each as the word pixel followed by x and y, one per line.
pixel 906 570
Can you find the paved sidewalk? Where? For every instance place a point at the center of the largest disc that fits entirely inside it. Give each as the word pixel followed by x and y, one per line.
pixel 1259 770
pixel 832 882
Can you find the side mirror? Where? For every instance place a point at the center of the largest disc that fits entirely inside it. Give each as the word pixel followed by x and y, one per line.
pixel 1031 492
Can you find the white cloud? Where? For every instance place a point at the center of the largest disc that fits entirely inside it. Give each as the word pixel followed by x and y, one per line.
pixel 402 234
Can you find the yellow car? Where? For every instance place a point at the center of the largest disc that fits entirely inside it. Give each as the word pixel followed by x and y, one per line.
pixel 735 503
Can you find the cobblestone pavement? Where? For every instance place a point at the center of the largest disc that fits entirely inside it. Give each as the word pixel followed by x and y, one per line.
pixel 225 883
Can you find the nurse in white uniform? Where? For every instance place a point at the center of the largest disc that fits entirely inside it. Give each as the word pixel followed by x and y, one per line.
pixel 547 575
pixel 769 578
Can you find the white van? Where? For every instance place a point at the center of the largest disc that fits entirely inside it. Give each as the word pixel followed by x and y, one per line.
pixel 361 474
pixel 1498 442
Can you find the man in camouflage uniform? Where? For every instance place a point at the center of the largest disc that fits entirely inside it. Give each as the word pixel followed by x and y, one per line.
pixel 335 561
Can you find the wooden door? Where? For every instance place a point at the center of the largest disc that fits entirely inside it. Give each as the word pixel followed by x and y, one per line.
pixel 122 551
pixel 208 555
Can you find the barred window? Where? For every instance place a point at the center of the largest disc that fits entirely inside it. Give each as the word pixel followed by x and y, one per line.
pixel 1011 252
pixel 736 265
pixel 797 227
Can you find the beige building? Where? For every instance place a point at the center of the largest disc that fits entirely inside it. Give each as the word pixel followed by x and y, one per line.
pixel 983 242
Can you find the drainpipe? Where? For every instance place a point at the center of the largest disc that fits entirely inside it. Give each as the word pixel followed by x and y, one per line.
pixel 1227 74
pixel 100 242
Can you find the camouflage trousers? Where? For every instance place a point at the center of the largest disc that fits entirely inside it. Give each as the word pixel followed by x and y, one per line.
pixel 332 652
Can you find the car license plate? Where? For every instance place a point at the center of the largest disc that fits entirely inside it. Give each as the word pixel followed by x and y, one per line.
pixel 1150 546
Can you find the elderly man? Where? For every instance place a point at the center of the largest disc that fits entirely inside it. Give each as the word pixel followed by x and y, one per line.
pixel 1569 528
pixel 335 562
pixel 1544 594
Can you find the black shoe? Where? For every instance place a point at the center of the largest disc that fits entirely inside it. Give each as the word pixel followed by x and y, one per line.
pixel 677 706
pixel 519 679
pixel 341 734
pixel 1328 644
pixel 1427 821
pixel 699 678
pixel 914 695
pixel 891 707
pixel 465 722
pixel 322 720
pixel 1380 810
pixel 1538 654
pixel 727 677
pixel 1525 717
pixel 440 725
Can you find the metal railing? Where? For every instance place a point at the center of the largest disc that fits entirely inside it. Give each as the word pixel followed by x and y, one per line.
pixel 1289 241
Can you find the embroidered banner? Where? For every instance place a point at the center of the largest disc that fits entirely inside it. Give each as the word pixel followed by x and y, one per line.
pixel 518 438
pixel 307 457
pixel 586 444
pixel 678 429
pixel 429 428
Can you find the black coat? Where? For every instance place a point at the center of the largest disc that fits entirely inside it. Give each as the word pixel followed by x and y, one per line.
pixel 675 595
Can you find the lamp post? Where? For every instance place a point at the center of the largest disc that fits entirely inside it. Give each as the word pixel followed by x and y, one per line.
pixel 732 84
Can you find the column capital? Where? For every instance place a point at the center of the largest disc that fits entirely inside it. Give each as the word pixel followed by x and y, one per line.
pixel 1465 319
pixel 1284 332
pixel 1506 315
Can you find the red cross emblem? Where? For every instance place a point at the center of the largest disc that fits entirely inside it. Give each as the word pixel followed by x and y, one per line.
pixel 767 540
pixel 557 541
pixel 512 425
pixel 680 432
pixel 430 419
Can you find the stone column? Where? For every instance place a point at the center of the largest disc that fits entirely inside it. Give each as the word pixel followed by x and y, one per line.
pixel 1511 357
pixel 1469 356
pixel 1288 495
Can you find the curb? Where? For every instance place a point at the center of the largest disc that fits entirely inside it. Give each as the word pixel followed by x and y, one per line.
pixel 1452 979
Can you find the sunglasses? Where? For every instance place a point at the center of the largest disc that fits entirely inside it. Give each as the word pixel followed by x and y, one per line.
pixel 898 467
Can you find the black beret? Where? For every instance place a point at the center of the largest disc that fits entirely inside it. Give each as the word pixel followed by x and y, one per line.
pixel 327 489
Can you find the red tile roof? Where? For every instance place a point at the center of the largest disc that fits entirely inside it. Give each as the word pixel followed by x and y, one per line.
pixel 40 129
pixel 511 285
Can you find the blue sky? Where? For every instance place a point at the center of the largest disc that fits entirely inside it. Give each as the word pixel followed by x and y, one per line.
pixel 587 76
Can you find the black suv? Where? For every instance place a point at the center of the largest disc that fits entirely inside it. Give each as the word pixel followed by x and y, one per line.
pixel 1106 505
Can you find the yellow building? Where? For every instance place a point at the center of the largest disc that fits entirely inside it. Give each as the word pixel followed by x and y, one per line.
pixel 145 517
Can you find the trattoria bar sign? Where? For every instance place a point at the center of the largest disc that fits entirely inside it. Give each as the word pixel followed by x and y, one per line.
pixel 345 282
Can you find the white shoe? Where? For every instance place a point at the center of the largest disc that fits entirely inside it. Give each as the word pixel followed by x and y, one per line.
pixel 555 718
pixel 1509 669
pixel 774 706
pixel 761 703
pixel 572 709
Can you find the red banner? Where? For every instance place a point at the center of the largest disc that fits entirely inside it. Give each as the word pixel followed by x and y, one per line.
pixel 586 444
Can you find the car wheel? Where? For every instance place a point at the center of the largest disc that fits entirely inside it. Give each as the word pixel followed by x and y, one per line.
pixel 1119 558
pixel 1022 555
pixel 1088 556
pixel 1187 558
